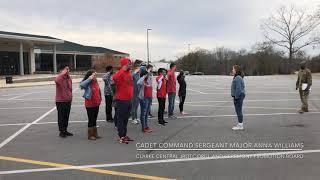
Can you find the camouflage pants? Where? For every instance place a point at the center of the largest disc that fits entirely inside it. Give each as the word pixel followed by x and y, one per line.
pixel 304 96
pixel 135 105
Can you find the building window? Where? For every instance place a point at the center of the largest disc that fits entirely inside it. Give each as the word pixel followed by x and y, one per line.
pixel 44 62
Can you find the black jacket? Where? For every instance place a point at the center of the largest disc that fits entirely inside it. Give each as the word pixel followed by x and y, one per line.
pixel 182 86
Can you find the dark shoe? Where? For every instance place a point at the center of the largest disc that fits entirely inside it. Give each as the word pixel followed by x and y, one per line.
pixel 95 133
pixel 165 121
pixel 68 133
pixel 161 124
pixel 128 138
pixel 110 120
pixel 123 141
pixel 91 135
pixel 62 134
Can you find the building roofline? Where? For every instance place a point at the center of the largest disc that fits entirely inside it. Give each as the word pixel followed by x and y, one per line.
pixel 69 52
pixel 72 47
pixel 62 45
pixel 29 37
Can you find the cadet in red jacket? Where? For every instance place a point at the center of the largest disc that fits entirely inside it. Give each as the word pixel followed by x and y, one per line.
pixel 171 85
pixel 92 95
pixel 123 96
pixel 63 100
pixel 161 94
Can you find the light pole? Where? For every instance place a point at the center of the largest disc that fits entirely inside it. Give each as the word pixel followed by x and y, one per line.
pixel 148 54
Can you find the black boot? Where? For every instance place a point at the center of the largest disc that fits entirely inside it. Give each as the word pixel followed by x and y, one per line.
pixel 62 134
pixel 68 133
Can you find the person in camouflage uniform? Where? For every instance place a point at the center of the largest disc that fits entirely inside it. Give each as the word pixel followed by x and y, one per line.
pixel 135 99
pixel 108 92
pixel 304 77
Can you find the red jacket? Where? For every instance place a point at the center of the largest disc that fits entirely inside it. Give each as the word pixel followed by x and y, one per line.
pixel 63 88
pixel 172 82
pixel 124 85
pixel 95 97
pixel 162 92
pixel 148 91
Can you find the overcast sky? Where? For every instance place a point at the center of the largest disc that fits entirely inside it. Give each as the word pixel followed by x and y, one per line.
pixel 121 24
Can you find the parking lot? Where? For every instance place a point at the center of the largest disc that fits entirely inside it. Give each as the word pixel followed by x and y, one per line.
pixel 31 148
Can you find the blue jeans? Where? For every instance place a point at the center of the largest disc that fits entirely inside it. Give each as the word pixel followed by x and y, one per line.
pixel 145 105
pixel 238 107
pixel 171 99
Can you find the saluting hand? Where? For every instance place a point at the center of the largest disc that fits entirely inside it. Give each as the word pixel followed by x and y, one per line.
pixel 92 76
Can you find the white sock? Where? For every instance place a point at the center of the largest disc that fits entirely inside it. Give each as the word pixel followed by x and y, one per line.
pixel 240 124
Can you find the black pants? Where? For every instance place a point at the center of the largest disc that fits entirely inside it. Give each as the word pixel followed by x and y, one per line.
pixel 162 106
pixel 123 109
pixel 182 99
pixel 63 109
pixel 115 120
pixel 92 113
pixel 109 100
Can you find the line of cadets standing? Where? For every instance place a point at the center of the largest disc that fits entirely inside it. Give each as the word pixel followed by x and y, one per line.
pixel 136 88
pixel 124 91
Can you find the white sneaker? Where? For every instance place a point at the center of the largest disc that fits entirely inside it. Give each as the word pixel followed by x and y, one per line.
pixel 172 117
pixel 239 126
pixel 135 121
pixel 183 113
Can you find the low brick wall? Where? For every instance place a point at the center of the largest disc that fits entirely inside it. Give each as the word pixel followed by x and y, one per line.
pixel 99 63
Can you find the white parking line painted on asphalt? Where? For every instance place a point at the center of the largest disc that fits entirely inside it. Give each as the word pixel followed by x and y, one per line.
pixel 6 141
pixel 179 117
pixel 33 100
pixel 246 107
pixel 196 91
pixel 253 100
pixel 227 87
pixel 249 92
pixel 17 124
pixel 234 156
pixel 21 124
pixel 17 108
pixel 234 115
pixel 6 95
pixel 17 97
pixel 9 139
pixel 30 99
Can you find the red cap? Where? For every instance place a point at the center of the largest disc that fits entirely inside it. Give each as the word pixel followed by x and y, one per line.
pixel 124 61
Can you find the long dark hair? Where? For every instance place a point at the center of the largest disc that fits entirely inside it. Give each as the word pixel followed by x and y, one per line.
pixel 181 74
pixel 88 74
pixel 239 71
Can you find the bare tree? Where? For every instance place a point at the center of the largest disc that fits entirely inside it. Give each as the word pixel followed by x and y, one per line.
pixel 292 28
